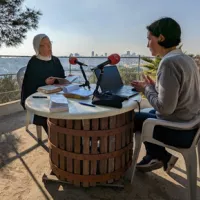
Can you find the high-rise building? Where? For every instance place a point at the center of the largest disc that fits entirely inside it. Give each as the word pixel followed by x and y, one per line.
pixel 76 54
pixel 128 53
pixel 92 53
pixel 106 54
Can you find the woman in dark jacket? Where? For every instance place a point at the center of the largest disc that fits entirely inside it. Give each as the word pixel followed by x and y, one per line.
pixel 39 72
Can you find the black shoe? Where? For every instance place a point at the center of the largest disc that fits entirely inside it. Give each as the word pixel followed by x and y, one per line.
pixel 148 164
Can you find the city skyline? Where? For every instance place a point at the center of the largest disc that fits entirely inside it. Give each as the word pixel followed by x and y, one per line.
pixel 93 54
pixel 113 26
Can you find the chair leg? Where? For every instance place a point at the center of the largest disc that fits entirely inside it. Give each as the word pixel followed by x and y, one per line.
pixel 138 144
pixel 39 132
pixel 191 168
pixel 28 118
pixel 198 152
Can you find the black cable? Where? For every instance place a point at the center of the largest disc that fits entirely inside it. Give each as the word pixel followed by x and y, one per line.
pixel 138 105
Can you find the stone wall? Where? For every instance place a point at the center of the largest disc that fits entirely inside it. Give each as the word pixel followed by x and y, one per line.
pixel 10 108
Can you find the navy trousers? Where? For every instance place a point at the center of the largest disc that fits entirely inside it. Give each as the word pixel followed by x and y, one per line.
pixel 176 138
pixel 41 121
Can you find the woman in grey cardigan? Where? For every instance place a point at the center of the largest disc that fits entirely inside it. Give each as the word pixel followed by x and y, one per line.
pixel 175 96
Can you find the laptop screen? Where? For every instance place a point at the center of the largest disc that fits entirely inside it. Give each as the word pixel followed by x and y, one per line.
pixel 111 79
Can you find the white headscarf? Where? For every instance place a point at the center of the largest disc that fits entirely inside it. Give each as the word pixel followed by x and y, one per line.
pixel 36 45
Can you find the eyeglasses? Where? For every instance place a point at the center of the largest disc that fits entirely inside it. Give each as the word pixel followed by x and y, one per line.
pixel 46 44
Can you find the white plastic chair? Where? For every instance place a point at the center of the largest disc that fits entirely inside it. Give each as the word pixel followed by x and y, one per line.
pixel 189 154
pixel 29 115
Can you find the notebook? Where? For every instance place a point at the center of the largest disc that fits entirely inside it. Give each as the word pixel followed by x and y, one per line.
pixel 48 89
pixel 112 82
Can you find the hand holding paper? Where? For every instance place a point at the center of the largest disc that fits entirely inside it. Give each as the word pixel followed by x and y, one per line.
pixel 65 81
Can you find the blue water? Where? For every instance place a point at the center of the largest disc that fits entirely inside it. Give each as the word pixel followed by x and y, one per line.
pixel 10 65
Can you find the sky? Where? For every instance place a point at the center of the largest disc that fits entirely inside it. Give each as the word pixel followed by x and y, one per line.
pixel 108 26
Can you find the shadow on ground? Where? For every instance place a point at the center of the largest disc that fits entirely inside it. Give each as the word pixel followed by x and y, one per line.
pixel 147 186
pixel 8 142
pixel 9 122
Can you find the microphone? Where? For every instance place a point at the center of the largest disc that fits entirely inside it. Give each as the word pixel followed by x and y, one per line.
pixel 113 59
pixel 74 61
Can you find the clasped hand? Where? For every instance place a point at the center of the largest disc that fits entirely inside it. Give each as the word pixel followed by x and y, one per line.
pixel 140 85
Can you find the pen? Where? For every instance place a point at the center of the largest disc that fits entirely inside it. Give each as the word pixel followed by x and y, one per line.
pixel 87 104
pixel 39 96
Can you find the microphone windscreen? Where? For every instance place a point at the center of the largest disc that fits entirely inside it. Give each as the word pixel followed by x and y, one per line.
pixel 114 59
pixel 72 60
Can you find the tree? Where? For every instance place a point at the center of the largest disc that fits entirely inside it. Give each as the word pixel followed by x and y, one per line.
pixel 15 22
pixel 152 64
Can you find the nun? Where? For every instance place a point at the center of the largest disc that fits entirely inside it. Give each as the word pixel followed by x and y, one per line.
pixel 39 72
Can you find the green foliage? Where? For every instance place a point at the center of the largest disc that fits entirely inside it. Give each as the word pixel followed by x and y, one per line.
pixel 15 22
pixel 92 78
pixel 152 65
pixel 9 89
pixel 128 74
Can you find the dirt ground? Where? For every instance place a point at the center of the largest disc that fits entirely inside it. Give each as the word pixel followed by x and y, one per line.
pixel 23 162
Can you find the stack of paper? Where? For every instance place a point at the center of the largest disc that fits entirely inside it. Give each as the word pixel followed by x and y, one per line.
pixel 77 91
pixel 48 89
pixel 58 103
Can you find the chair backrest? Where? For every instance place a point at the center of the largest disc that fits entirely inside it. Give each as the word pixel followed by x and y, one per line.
pixel 197 136
pixel 20 76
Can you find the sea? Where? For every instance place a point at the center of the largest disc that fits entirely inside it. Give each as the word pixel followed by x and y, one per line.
pixel 11 65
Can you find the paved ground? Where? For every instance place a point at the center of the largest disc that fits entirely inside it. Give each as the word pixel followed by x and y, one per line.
pixel 23 162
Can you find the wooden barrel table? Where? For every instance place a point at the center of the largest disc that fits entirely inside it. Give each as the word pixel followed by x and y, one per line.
pixel 88 145
pixel 91 151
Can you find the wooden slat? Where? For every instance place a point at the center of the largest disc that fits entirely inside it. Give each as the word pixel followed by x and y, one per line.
pixel 61 145
pixel 54 139
pixel 123 122
pixel 118 145
pixel 98 133
pixel 93 171
pixel 86 150
pixel 131 133
pixel 127 156
pixel 77 149
pixel 69 147
pixel 103 145
pixel 111 146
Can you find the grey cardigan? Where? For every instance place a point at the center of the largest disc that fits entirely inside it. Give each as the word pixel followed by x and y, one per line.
pixel 176 95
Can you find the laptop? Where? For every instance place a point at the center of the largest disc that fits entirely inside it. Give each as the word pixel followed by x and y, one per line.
pixel 111 82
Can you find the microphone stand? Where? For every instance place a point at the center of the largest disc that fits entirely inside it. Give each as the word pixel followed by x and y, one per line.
pixel 103 98
pixel 96 91
pixel 87 83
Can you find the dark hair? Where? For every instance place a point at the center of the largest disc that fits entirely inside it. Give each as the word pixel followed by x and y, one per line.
pixel 169 28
